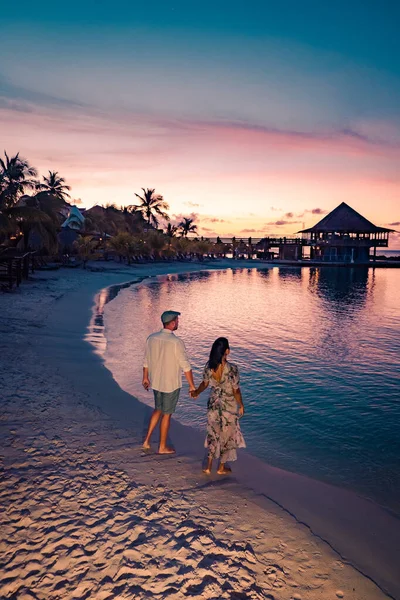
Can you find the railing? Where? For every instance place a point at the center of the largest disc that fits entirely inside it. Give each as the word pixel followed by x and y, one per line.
pixel 267 241
pixel 271 242
pixel 14 267
pixel 283 241
pixel 360 242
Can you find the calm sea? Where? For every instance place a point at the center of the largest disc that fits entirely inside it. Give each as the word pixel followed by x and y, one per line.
pixel 319 357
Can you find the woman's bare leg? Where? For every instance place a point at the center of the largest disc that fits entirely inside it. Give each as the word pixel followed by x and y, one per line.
pixel 207 470
pixel 223 469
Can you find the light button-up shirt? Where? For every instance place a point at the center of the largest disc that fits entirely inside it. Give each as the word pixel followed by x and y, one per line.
pixel 165 359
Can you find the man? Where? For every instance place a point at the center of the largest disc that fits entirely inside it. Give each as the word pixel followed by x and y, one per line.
pixel 164 362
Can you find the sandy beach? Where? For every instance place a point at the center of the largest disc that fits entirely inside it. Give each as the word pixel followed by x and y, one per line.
pixel 86 514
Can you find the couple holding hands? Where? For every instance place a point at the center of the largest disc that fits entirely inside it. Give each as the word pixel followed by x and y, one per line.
pixel 165 359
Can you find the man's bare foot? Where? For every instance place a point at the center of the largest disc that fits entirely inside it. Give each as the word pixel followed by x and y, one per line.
pixel 146 446
pixel 224 471
pixel 207 471
pixel 166 450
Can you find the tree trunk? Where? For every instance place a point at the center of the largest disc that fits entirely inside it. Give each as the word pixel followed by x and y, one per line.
pixel 26 232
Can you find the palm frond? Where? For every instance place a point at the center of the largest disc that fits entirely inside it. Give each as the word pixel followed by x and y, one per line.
pixel 28 213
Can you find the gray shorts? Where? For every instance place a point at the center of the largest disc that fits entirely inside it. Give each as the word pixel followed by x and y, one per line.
pixel 166 401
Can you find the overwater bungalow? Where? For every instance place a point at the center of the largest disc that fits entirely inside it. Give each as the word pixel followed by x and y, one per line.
pixel 345 236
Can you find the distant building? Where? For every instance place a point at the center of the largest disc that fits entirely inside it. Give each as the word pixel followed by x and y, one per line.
pixel 345 236
pixel 70 230
pixel 75 219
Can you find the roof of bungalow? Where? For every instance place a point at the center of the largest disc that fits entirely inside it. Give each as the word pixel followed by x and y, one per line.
pixel 75 219
pixel 344 219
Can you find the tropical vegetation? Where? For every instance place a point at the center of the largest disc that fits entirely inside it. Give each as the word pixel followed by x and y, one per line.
pixel 33 210
pixel 187 226
pixel 152 206
pixel 54 185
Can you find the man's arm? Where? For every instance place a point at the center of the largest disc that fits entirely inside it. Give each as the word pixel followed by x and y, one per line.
pixel 200 389
pixel 185 364
pixel 146 380
pixel 189 377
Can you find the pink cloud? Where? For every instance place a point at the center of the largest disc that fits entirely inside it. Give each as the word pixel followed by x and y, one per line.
pixel 282 222
pixel 193 204
pixel 317 211
pixel 220 167
pixel 214 220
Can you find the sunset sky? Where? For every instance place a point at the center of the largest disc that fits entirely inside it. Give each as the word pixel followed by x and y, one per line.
pixel 254 117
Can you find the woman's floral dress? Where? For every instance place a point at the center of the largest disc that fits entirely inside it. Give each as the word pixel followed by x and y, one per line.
pixel 223 430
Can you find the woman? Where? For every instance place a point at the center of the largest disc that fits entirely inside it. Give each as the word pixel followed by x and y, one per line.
pixel 224 407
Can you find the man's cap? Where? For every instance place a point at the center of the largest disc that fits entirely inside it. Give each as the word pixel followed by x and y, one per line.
pixel 169 315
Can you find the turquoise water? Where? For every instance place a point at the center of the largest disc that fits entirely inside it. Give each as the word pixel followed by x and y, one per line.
pixel 318 352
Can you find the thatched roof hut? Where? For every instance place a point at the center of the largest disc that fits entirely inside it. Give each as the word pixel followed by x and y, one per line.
pixel 344 219
pixel 345 236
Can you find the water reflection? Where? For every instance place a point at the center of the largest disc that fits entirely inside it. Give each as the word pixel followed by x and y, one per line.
pixel 95 330
pixel 340 285
pixel 290 273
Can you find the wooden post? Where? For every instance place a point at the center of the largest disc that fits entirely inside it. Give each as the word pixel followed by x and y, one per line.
pixel 25 266
pixel 9 273
pixel 18 268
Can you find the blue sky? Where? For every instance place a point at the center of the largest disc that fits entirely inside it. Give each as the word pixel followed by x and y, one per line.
pixel 295 105
pixel 363 30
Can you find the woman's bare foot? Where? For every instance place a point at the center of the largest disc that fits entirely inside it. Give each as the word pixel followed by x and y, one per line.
pixel 166 450
pixel 146 446
pixel 207 469
pixel 224 470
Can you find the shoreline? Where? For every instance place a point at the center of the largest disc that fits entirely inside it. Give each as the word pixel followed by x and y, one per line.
pixel 98 339
pixel 56 340
pixel 314 503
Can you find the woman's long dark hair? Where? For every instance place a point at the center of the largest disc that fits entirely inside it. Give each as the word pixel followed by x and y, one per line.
pixel 219 347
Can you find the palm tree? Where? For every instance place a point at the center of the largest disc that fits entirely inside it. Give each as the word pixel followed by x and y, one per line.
pixel 202 247
pixel 16 175
pixel 54 185
pixel 85 246
pixel 182 245
pixel 27 220
pixel 4 221
pixel 156 243
pixel 171 230
pixel 220 248
pixel 152 205
pixel 124 244
pixel 33 214
pixel 39 214
pixel 187 226
pixel 134 219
